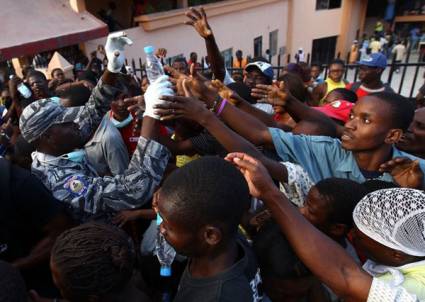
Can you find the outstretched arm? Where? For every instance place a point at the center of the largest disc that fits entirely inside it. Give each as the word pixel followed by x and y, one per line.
pixel 198 19
pixel 323 256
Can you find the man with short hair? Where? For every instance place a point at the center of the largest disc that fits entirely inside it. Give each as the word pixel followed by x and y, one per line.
pixel 370 72
pixel 181 65
pixel 413 141
pixel 38 84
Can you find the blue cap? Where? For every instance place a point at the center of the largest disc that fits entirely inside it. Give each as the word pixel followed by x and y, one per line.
pixel 149 49
pixel 376 59
pixel 265 68
pixel 165 271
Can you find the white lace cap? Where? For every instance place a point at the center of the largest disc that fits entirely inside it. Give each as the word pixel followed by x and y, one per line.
pixel 395 218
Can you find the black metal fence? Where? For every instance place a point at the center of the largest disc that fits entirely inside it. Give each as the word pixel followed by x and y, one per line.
pixel 397 75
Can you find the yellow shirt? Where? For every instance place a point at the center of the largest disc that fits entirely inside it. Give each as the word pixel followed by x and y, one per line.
pixel 332 85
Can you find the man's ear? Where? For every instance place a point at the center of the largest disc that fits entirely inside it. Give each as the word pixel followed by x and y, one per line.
pixel 393 136
pixel 212 235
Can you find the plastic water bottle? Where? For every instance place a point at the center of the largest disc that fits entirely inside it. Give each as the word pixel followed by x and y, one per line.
pixel 166 255
pixel 164 251
pixel 154 67
pixel 22 88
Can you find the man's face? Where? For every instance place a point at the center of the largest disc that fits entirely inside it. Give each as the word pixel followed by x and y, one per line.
pixel 373 250
pixel 368 125
pixel 315 72
pixel 336 71
pixel 413 141
pixel 253 78
pixel 38 86
pixel 59 75
pixel 194 57
pixel 185 241
pixel 315 210
pixel 65 137
pixel 5 95
pixel 369 74
pixel 180 67
pixel 119 109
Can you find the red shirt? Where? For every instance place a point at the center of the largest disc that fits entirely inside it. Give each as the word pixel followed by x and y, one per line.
pixel 130 139
pixel 362 91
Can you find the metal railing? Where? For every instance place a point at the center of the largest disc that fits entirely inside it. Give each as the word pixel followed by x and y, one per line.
pixel 403 82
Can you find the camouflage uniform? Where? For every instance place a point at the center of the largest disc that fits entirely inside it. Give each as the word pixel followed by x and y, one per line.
pixel 78 184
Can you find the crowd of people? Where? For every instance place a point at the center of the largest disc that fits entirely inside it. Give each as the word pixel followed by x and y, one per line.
pixel 293 188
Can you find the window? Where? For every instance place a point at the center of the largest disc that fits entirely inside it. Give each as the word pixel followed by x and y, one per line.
pixel 323 50
pixel 201 2
pixel 327 4
pixel 273 42
pixel 227 55
pixel 258 47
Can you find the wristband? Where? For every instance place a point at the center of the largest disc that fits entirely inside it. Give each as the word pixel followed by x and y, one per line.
pixel 222 105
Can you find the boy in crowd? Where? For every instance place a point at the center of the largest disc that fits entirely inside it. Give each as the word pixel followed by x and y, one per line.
pixel 95 262
pixel 389 228
pixel 201 205
pixel 329 207
pixel 333 81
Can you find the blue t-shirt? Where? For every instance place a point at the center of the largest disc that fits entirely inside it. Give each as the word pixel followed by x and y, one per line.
pixel 323 157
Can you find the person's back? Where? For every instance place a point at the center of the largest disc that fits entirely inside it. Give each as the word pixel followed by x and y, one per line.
pixel 201 206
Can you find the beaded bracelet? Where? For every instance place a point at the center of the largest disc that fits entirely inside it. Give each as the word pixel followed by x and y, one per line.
pixel 222 105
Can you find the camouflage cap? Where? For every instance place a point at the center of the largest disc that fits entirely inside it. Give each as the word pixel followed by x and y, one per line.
pixel 41 115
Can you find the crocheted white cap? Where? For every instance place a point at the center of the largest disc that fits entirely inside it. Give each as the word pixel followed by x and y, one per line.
pixel 395 218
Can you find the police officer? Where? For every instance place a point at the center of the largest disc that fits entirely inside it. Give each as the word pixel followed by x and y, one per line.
pixel 59 134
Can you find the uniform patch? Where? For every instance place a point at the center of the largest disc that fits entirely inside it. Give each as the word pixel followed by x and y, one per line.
pixel 76 185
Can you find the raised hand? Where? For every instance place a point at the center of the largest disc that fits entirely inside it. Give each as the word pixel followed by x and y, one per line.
pixel 196 84
pixel 256 175
pixel 405 172
pixel 275 94
pixel 160 87
pixel 198 19
pixel 188 106
pixel 114 49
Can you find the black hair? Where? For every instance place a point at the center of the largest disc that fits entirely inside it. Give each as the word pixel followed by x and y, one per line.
pixel 93 259
pixel 88 75
pixel 305 72
pixel 317 64
pixel 402 110
pixel 342 196
pixel 295 85
pixel 12 284
pixel 242 90
pixel 193 53
pixel 78 95
pixel 53 71
pixel 346 94
pixel 36 73
pixel 337 62
pixel 209 190
pixel 180 60
pixel 276 257
pixel 26 70
pixel 377 184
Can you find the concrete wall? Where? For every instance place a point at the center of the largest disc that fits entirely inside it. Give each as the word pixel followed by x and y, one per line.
pixel 309 24
pixel 235 30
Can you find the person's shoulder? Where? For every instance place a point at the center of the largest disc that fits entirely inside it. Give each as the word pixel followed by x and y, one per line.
pixel 243 277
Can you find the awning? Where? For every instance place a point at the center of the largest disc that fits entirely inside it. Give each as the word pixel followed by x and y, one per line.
pixel 29 27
